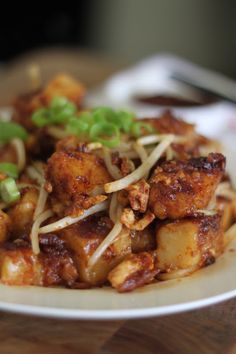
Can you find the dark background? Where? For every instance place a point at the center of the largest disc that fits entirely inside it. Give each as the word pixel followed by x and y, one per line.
pixel 33 25
pixel 203 31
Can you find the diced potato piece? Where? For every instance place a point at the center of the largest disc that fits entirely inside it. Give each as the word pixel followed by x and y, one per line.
pixel 20 267
pixel 22 212
pixel 83 239
pixel 135 271
pixel 189 243
pixel 5 226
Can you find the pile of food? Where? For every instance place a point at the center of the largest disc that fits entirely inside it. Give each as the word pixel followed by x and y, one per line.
pixel 97 197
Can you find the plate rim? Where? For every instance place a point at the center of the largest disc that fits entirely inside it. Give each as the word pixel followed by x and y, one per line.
pixel 146 312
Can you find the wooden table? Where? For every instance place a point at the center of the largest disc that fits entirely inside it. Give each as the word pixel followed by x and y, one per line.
pixel 207 331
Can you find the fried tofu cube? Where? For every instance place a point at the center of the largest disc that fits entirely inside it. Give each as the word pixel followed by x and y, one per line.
pixel 135 271
pixel 180 188
pixel 73 175
pixel 189 243
pixel 83 239
pixel 53 266
pixel 20 267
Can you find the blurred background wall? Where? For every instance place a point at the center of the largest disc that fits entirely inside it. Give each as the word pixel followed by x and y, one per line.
pixel 201 30
pixel 127 30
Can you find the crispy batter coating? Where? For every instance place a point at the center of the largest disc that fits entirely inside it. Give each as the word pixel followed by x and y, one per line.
pixel 194 145
pixel 73 176
pixel 54 265
pixel 189 243
pixel 135 271
pixel 180 188
pixel 84 237
pixel 169 124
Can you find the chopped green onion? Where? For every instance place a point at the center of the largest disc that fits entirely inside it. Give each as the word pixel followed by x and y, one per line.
pixel 77 126
pixel 100 130
pixel 59 102
pixel 104 114
pixel 126 119
pixel 61 110
pixel 10 169
pixel 41 117
pixel 138 127
pixel 9 191
pixel 102 124
pixel 10 130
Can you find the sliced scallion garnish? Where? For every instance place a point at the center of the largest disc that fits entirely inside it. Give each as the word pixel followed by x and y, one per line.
pixel 10 169
pixel 107 134
pixel 9 191
pixel 102 124
pixel 11 130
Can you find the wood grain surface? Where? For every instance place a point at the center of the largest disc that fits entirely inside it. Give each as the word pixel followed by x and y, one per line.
pixel 205 331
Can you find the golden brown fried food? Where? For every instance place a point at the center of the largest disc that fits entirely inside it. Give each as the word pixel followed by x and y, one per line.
pixel 5 226
pixel 194 144
pixel 169 124
pixel 180 188
pixel 136 270
pixel 19 266
pixel 84 237
pixel 189 243
pixel 22 212
pixel 54 265
pixel 73 176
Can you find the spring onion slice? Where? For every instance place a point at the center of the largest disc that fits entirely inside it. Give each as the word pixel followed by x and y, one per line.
pixel 11 130
pixel 60 111
pixel 99 131
pixel 137 128
pixel 10 169
pixel 9 191
pixel 102 124
pixel 41 117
